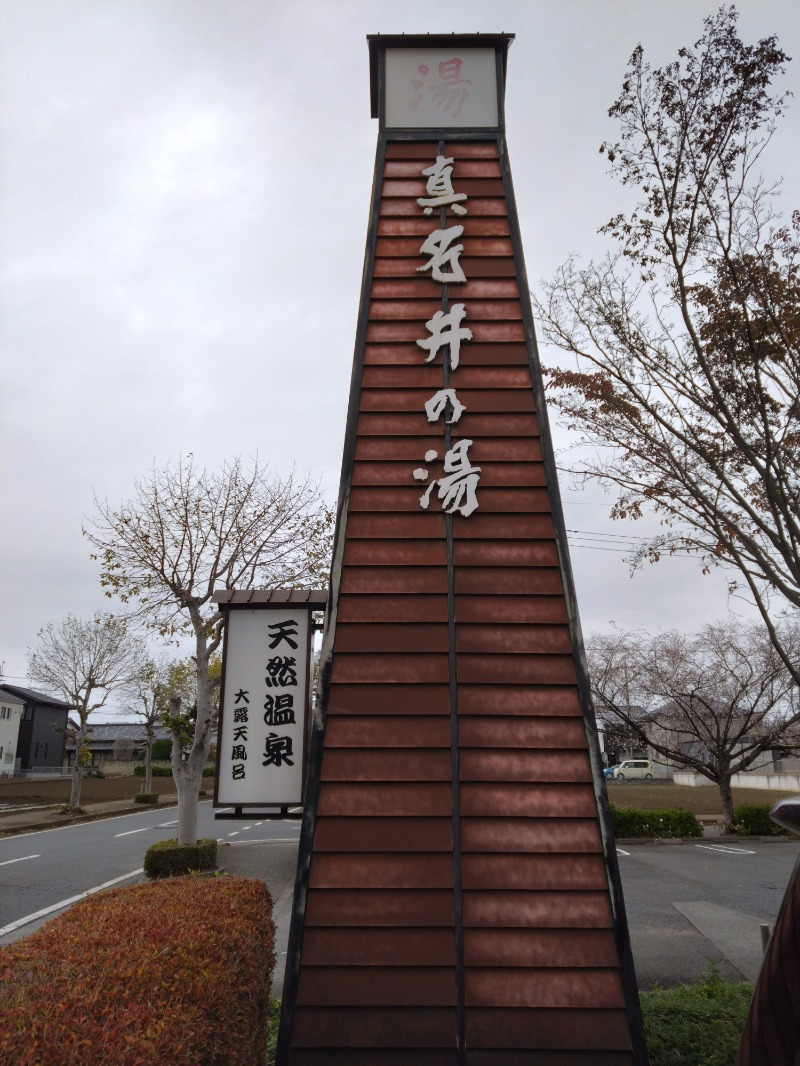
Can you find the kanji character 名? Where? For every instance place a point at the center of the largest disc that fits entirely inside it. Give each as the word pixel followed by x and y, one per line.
pixel 457 490
pixel 442 256
pixel 446 329
pixel 440 188
pixel 237 771
pixel 278 751
pixel 279 710
pixel 281 672
pixel 240 732
pixel 439 403
pixel 242 694
pixel 283 631
pixel 238 752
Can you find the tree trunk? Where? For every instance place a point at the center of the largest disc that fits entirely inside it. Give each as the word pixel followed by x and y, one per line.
pixel 187 804
pixel 77 769
pixel 148 762
pixel 726 796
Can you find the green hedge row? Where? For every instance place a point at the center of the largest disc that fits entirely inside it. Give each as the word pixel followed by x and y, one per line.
pixel 159 770
pixel 174 972
pixel 167 858
pixel 753 820
pixel 667 822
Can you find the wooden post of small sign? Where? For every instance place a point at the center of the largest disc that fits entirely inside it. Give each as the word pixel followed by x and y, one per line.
pixel 265 700
pixel 458 899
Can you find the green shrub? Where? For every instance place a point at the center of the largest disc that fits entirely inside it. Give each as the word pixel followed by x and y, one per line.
pixel 695 1025
pixel 668 822
pixel 753 820
pixel 162 749
pixel 159 770
pixel 170 990
pixel 94 773
pixel 167 858
pixel 146 797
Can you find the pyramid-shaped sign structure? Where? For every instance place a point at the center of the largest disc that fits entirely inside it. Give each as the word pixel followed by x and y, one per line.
pixel 458 898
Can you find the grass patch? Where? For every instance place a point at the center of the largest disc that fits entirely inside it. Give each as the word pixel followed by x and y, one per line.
pixel 695 1025
pixel 273 1021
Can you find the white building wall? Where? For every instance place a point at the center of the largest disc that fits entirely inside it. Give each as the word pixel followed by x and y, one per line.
pixel 10 716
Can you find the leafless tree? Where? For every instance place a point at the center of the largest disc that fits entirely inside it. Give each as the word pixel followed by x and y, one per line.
pixel 684 343
pixel 146 697
pixel 84 661
pixel 714 701
pixel 184 534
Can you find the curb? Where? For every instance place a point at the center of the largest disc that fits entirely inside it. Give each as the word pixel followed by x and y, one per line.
pixel 777 839
pixel 78 819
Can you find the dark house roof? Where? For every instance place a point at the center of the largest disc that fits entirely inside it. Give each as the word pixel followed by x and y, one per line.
pixel 105 733
pixel 32 696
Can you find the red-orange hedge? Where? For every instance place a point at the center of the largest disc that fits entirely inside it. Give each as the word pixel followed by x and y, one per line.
pixel 176 971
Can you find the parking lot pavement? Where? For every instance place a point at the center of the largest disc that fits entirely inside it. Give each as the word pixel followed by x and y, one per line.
pixel 702 902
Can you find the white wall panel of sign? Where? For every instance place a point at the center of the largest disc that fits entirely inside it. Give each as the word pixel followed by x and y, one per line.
pixel 437 87
pixel 264 702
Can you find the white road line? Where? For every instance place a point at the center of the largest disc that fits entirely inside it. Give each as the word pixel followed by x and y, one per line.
pixel 82 825
pixel 725 849
pixel 621 852
pixel 21 859
pixel 235 833
pixel 66 903
pixel 167 825
pixel 130 831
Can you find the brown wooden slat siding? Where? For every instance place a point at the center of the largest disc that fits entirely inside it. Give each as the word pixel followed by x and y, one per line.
pixel 377 966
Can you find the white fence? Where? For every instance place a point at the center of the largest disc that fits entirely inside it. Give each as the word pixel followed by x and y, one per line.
pixel 767 782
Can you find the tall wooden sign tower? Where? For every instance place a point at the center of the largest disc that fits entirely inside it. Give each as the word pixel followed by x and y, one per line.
pixel 458 899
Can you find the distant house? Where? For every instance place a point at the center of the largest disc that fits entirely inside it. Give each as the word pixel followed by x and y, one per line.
pixel 43 721
pixel 11 711
pixel 115 741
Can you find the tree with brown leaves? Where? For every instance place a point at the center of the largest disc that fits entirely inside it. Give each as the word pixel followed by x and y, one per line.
pixel 684 343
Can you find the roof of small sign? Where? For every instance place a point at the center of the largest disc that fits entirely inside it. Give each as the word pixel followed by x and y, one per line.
pixel 314 599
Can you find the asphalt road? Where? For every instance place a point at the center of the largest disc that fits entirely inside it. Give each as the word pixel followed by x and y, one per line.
pixel 687 904
pixel 39 871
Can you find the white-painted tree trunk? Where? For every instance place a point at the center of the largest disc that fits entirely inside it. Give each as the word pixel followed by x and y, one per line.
pixel 188 773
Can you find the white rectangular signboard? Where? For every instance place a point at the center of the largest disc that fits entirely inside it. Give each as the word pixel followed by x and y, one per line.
pixel 438 87
pixel 263 710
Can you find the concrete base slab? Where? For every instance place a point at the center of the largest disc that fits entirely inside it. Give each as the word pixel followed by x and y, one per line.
pixel 735 934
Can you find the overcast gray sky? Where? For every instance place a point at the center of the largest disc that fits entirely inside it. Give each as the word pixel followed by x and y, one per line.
pixel 176 172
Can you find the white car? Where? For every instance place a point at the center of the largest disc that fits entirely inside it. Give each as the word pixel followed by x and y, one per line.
pixel 633 769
